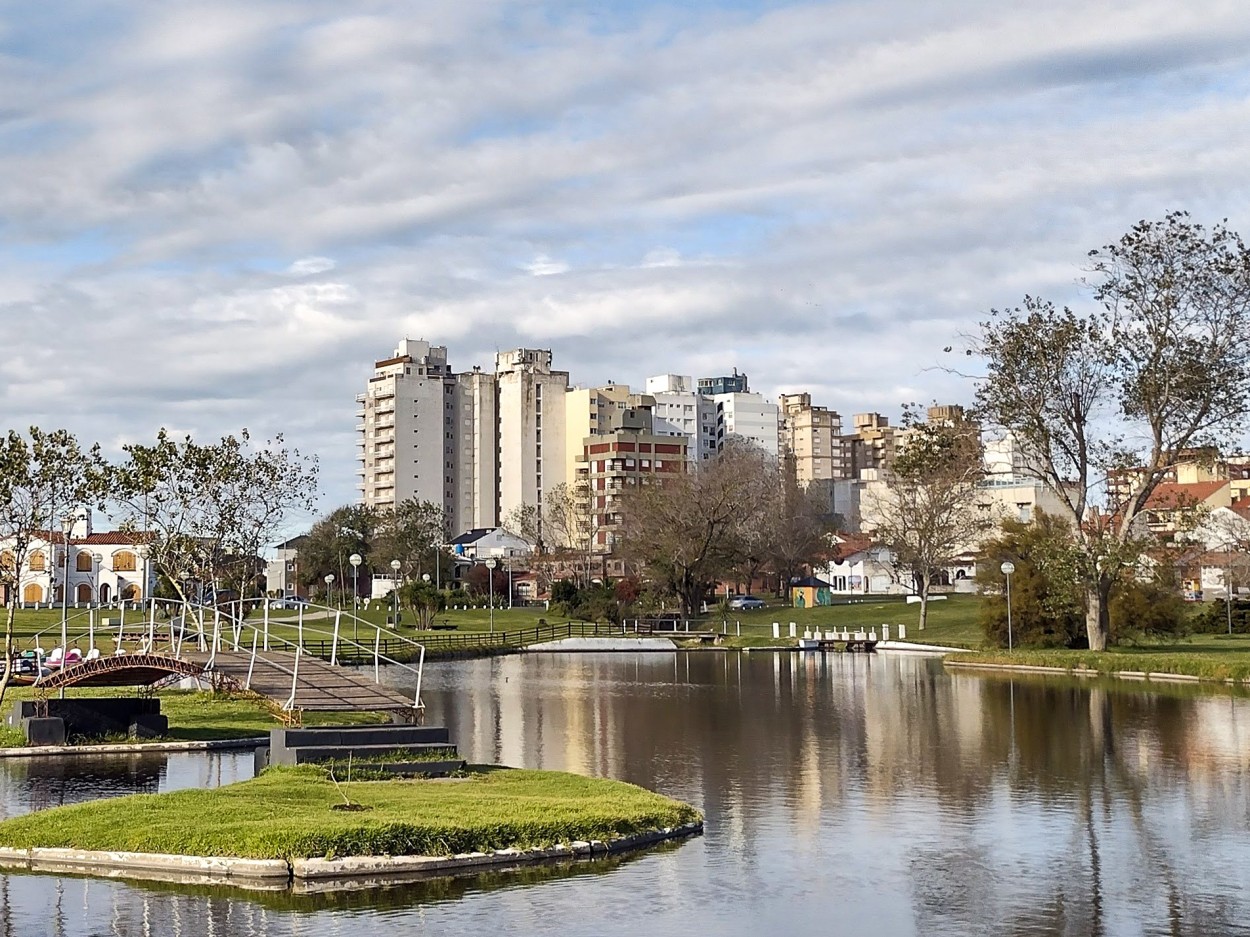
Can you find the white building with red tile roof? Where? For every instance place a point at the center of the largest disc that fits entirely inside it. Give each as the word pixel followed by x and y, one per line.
pixel 103 567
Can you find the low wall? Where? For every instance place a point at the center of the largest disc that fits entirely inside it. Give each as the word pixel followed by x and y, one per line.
pixel 351 872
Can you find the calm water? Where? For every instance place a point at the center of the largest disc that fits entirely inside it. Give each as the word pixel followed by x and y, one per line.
pixel 847 795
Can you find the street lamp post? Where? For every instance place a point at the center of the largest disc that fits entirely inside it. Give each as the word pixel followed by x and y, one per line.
pixel 395 564
pixel 97 560
pixel 329 588
pixel 67 525
pixel 425 578
pixel 438 562
pixel 355 559
pixel 1007 569
pixel 490 581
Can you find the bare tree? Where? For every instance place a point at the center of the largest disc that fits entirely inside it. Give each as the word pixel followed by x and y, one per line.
pixel 1117 394
pixel 928 512
pixel 798 522
pixel 685 530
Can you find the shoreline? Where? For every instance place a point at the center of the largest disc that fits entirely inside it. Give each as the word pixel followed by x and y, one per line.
pixel 307 875
pixel 134 748
pixel 1148 676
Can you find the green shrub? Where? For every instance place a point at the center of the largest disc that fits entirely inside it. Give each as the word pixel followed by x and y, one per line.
pixel 1147 611
pixel 1213 619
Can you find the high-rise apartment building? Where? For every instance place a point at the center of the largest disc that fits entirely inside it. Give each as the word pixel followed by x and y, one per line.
pixel 587 411
pixel 810 436
pixel 870 445
pixel 530 400
pixel 617 459
pixel 749 417
pixel 475 462
pixel 405 427
pixel 682 412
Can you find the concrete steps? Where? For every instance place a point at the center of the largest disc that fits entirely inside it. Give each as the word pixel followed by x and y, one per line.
pixel 361 743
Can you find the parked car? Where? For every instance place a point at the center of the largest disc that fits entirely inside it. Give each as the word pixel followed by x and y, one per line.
pixel 739 602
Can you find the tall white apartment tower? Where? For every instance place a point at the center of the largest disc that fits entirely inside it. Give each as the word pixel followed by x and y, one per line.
pixel 680 411
pixel 405 429
pixel 531 427
pixel 476 457
pixel 750 417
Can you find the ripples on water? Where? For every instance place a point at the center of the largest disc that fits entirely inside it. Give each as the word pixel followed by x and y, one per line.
pixel 844 795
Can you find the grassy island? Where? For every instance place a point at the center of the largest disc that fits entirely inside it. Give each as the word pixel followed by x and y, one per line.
pixel 288 813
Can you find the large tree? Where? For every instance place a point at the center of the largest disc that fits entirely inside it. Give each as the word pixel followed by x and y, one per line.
pixel 412 532
pixel 208 510
pixel 1111 397
pixel 686 530
pixel 928 510
pixel 330 542
pixel 784 526
pixel 44 481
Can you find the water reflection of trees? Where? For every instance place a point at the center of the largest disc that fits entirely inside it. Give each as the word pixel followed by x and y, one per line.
pixel 1091 776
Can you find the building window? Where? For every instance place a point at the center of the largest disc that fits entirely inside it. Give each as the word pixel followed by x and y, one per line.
pixel 83 562
pixel 37 561
pixel 124 562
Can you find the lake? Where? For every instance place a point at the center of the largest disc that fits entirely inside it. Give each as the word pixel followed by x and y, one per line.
pixel 851 794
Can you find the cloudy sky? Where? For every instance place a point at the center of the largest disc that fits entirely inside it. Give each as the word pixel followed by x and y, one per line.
pixel 216 215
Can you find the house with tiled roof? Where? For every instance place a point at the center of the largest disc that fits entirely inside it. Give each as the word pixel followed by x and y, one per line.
pixel 100 567
pixel 1174 508
pixel 858 566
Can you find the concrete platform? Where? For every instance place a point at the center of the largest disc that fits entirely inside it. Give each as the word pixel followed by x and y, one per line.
pixel 565 645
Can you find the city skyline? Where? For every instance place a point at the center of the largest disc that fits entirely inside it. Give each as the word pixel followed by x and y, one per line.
pixel 218 215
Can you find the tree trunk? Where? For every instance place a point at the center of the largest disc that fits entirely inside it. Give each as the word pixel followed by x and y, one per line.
pixel 8 649
pixel 1096 614
pixel 924 605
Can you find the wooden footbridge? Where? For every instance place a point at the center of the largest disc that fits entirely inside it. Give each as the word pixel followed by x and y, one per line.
pixel 238 657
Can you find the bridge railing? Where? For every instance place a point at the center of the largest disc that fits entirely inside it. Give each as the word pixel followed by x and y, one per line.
pixel 213 629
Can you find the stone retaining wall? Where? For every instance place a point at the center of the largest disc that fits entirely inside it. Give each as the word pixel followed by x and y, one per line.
pixel 313 874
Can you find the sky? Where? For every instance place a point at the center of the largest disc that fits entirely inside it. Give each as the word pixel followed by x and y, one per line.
pixel 216 215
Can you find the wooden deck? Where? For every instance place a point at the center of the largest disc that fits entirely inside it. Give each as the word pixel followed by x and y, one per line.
pixel 321 686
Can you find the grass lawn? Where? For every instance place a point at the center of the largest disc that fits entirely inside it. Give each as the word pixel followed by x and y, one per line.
pixel 285 813
pixel 1210 657
pixel 952 622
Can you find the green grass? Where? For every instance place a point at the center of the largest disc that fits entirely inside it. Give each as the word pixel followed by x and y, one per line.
pixel 954 621
pixel 285 813
pixel 1208 657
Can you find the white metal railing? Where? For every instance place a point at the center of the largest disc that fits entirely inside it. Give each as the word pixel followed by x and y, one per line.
pixel 185 617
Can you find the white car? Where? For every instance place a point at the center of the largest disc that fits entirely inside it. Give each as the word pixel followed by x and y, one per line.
pixel 739 602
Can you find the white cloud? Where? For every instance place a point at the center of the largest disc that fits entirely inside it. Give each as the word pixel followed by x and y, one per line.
pixel 824 194
pixel 308 266
pixel 544 266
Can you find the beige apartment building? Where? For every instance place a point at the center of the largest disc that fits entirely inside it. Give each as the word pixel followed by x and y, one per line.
pixel 810 435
